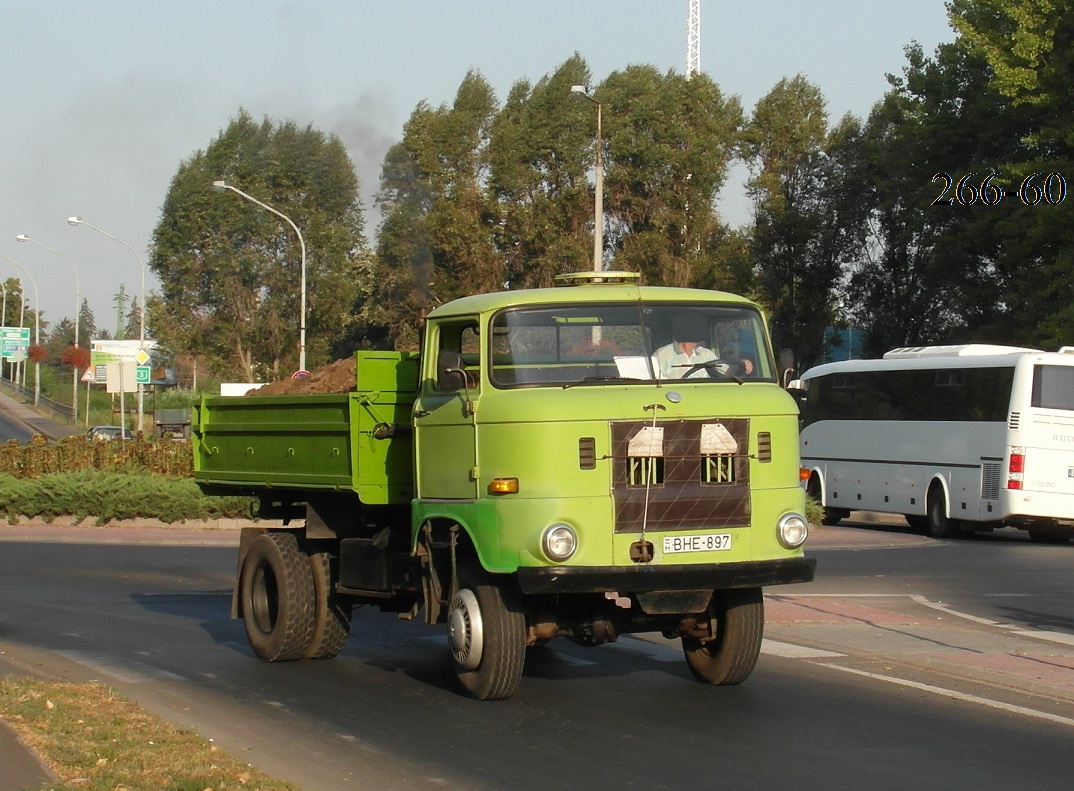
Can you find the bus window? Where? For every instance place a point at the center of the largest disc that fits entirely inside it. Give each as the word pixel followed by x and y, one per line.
pixel 1053 387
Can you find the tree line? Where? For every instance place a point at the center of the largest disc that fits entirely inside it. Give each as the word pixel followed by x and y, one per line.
pixel 849 220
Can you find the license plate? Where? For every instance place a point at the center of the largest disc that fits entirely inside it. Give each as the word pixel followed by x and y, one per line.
pixel 706 542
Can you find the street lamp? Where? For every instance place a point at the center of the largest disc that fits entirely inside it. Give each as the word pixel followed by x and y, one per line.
pixel 221 186
pixel 76 221
pixel 78 309
pixel 37 328
pixel 579 92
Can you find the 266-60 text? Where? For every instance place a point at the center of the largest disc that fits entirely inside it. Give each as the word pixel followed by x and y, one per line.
pixel 1050 188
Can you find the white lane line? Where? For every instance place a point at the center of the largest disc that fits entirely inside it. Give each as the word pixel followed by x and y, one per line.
pixel 953 612
pixel 1053 637
pixel 949 693
pixel 659 648
pixel 789 651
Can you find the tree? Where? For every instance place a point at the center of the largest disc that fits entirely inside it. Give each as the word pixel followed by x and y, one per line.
pixel 1028 47
pixel 230 270
pixel 133 325
pixel 539 152
pixel 87 324
pixel 809 217
pixel 435 242
pixel 669 140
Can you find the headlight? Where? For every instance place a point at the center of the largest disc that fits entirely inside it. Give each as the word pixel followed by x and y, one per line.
pixel 792 530
pixel 559 542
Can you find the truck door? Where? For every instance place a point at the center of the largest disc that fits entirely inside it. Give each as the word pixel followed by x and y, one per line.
pixel 444 429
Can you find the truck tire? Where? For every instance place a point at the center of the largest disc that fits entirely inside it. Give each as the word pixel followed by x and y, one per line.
pixel 487 636
pixel 332 616
pixel 738 628
pixel 278 604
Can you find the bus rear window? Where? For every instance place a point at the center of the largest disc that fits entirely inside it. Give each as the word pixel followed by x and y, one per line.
pixel 1053 387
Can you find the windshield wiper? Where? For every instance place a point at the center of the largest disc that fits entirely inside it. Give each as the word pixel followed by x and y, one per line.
pixel 594 379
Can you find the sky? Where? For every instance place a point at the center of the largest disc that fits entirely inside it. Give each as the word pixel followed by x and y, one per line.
pixel 107 99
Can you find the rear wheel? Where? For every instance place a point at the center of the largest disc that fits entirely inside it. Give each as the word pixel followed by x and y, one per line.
pixel 940 524
pixel 737 618
pixel 917 522
pixel 332 619
pixel 1049 536
pixel 278 603
pixel 487 635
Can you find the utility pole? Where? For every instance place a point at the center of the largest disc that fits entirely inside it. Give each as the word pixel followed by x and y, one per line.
pixel 121 313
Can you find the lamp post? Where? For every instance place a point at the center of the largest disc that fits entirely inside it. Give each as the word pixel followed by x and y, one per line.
pixel 221 186
pixel 37 329
pixel 76 221
pixel 579 92
pixel 78 309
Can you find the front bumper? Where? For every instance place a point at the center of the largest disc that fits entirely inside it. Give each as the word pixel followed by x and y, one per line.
pixel 644 578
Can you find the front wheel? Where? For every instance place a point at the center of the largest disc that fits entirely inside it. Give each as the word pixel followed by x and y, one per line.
pixel 737 618
pixel 278 600
pixel 487 635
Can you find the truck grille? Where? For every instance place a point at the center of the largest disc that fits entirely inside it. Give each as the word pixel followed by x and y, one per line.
pixel 695 474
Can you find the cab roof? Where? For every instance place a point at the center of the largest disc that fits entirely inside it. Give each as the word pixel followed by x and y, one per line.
pixel 581 294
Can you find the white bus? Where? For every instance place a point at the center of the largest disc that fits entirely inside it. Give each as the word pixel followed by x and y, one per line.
pixel 967 437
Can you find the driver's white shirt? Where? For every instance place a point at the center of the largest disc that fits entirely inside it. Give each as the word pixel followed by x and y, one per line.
pixel 667 359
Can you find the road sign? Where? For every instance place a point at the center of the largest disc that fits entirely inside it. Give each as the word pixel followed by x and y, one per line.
pixel 141 374
pixel 109 351
pixel 134 354
pixel 14 343
pixel 89 376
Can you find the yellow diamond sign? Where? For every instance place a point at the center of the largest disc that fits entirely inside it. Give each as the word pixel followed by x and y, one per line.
pixel 142 357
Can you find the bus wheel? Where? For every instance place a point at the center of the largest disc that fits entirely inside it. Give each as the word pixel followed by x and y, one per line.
pixel 917 522
pixel 487 635
pixel 738 627
pixel 332 619
pixel 940 525
pixel 1049 536
pixel 278 604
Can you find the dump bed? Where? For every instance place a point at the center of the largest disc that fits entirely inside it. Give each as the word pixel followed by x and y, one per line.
pixel 358 441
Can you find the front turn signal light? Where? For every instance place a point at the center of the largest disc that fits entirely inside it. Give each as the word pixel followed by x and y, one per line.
pixel 503 486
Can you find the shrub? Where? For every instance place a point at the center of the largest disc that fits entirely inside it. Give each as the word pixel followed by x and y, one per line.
pixel 108 495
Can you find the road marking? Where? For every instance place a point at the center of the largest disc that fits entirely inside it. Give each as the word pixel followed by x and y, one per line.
pixel 789 651
pixel 949 693
pixel 935 605
pixel 1054 637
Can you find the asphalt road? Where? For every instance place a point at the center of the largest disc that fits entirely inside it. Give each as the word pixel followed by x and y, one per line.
pixel 909 662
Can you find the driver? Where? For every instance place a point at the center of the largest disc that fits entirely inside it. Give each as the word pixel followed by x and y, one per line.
pixel 689 333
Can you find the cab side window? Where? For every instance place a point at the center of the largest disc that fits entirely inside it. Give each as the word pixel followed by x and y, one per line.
pixel 458 350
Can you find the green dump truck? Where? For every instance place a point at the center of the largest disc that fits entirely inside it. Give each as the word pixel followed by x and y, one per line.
pixel 586 461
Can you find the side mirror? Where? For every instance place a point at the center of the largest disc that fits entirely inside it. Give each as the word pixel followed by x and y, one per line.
pixel 450 374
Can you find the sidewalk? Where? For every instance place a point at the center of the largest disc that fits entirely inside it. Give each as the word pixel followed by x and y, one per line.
pixel 34 420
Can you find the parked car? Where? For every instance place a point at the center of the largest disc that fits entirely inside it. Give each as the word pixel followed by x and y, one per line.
pixel 109 432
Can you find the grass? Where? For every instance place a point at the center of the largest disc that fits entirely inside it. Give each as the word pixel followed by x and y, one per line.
pixel 95 740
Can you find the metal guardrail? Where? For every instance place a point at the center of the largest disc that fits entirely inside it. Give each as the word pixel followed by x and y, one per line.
pixel 27 394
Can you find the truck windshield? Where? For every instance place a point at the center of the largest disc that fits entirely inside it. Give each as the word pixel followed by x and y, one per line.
pixel 569 345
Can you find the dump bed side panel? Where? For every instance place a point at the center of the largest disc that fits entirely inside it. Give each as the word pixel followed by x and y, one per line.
pixel 357 441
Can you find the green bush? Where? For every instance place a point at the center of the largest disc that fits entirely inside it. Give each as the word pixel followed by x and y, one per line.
pixel 107 495
pixel 71 454
pixel 814 511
